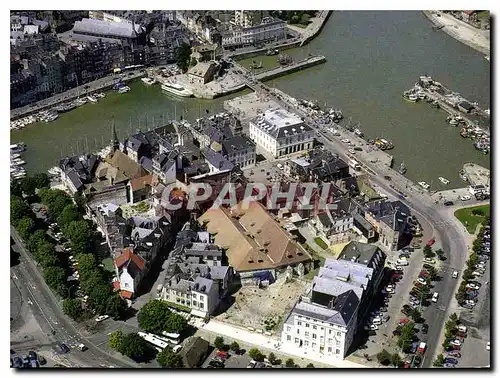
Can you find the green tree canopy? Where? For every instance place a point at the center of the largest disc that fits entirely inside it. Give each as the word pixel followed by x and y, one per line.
pixel 92 280
pixel 41 180
pixel 176 323
pixel 290 363
pixel 73 308
pixel 256 354
pixel 183 56
pixel 116 307
pixel 55 278
pixel 99 297
pixel 384 357
pixel 135 347
pixel 235 346
pixel 168 359
pixel 28 185
pixel 439 362
pixel 69 214
pixel 25 227
pixel 80 233
pixel 396 360
pixel 15 189
pixel 35 239
pixel 406 337
pixel 18 210
pixel 45 254
pixel 154 316
pixel 87 264
pixel 55 199
pixel 115 340
pixel 219 342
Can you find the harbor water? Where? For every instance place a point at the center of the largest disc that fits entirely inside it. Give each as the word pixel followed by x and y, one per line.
pixel 372 57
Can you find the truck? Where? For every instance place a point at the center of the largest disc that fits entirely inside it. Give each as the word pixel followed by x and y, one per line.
pixel 421 348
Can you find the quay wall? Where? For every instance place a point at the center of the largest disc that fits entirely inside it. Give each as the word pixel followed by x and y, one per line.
pixel 94 86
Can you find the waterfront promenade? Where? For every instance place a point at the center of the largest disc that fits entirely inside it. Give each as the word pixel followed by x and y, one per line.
pixel 82 90
pixel 478 39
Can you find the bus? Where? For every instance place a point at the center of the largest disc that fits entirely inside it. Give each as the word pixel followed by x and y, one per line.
pixel 172 338
pixel 354 164
pixel 153 340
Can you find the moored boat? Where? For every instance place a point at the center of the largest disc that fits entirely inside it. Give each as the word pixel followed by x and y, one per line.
pixel 92 99
pixel 424 185
pixel 462 175
pixel 176 89
pixel 444 181
pixel 148 80
pixel 402 168
pixel 124 89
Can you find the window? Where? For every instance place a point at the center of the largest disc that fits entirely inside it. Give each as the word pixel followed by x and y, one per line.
pixel 201 305
pixel 298 331
pixel 306 343
pixel 299 323
pixel 314 327
pixel 126 284
pixel 307 334
pixel 313 345
pixel 337 342
pixel 329 349
pixel 329 331
pixel 339 334
pixel 296 340
pixel 288 328
pixel 194 296
pixel 322 328
pixel 314 335
pixel 307 325
pixel 288 338
pixel 337 351
pixel 330 340
pixel 195 303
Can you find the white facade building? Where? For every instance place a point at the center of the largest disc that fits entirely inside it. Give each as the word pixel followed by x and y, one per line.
pixel 280 132
pixel 274 30
pixel 325 320
pixel 240 151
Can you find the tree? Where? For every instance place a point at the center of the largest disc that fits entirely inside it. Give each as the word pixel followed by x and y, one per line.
pixel 290 363
pixel 219 342
pixel 87 264
pixel 55 199
pixel 135 347
pixel 183 56
pixel 416 315
pixel 73 308
pixel 41 180
pixel 235 347
pixel 272 358
pixel 18 210
pixel 55 277
pixel 80 234
pixel 454 318
pixel 428 252
pixel 25 227
pixel 80 201
pixel 92 280
pixel 396 360
pixel 154 316
pixel 439 362
pixel 478 212
pixel 176 323
pixel 384 357
pixel 310 366
pixel 406 337
pixel 69 214
pixel 99 298
pixel 45 254
pixel 116 307
pixel 440 254
pixel 115 340
pixel 168 359
pixel 35 239
pixel 255 354
pixel 15 189
pixel 28 186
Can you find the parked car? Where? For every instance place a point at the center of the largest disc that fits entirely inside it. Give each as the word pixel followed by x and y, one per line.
pixel 429 260
pixel 435 297
pixel 216 364
pixel 454 274
pixel 41 360
pixel 32 355
pixel 451 360
pixel 465 198
pixel 431 242
pixel 64 348
pixel 386 318
pixel 455 342
pixel 252 364
pixel 448 366
pixel 371 327
pixel 223 355
pixel 455 354
pixel 101 318
pixel 448 203
pixel 425 329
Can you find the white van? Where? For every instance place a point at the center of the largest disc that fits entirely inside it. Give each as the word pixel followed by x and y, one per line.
pixel 435 297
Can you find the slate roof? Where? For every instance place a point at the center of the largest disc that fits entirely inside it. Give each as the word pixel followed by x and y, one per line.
pixel 217 160
pixel 363 253
pixel 105 28
pixel 280 123
pixel 237 143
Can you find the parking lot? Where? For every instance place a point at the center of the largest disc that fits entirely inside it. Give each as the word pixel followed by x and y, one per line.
pixel 234 361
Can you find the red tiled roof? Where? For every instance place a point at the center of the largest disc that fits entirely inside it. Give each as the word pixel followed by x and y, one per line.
pixel 469 12
pixel 116 285
pixel 141 182
pixel 126 294
pixel 128 255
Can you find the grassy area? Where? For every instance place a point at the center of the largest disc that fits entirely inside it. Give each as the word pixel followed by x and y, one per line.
pixel 321 243
pixel 469 220
pixel 108 264
pixel 484 16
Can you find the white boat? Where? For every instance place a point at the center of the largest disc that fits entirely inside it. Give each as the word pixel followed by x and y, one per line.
pixel 15 156
pixel 148 80
pixel 444 181
pixel 17 162
pixel 424 185
pixel 92 99
pixel 51 117
pixel 421 95
pixel 54 171
pixel 19 147
pixel 100 95
pixel 453 122
pixel 176 89
pixel 124 89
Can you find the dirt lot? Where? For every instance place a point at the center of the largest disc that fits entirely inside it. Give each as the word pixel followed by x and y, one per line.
pixel 253 307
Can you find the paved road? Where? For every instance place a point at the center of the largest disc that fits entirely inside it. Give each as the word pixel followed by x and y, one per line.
pixel 50 316
pixel 446 232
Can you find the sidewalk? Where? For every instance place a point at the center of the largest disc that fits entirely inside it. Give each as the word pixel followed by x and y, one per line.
pixel 267 344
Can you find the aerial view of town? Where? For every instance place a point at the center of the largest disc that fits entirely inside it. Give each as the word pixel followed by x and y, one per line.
pixel 235 189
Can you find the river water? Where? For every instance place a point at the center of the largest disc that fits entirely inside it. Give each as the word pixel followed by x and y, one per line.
pixel 372 57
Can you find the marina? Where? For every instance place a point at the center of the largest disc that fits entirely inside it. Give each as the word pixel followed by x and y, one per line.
pixel 17 172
